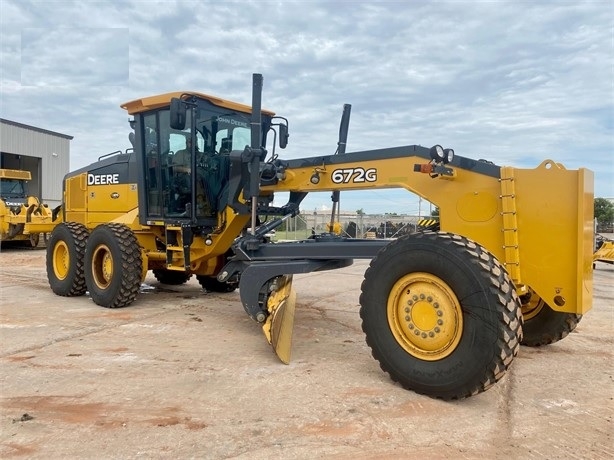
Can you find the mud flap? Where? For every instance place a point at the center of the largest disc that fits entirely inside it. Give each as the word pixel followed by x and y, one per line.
pixel 280 322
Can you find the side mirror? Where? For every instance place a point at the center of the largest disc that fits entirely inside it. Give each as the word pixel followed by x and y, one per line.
pixel 283 136
pixel 178 114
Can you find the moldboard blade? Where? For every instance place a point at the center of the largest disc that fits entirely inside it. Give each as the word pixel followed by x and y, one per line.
pixel 280 322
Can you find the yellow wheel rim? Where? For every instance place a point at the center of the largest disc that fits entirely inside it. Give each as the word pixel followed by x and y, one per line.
pixel 102 266
pixel 425 316
pixel 532 307
pixel 61 260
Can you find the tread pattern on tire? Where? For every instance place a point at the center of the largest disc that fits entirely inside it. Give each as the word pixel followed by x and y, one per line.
pixel 508 311
pixel 131 266
pixel 548 327
pixel 171 277
pixel 211 284
pixel 79 234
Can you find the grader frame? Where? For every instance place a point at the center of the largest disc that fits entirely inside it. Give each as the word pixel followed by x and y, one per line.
pixel 443 312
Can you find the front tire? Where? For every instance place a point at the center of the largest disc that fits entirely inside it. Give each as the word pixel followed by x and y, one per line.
pixel 440 314
pixel 65 254
pixel 113 266
pixel 211 284
pixel 171 277
pixel 542 324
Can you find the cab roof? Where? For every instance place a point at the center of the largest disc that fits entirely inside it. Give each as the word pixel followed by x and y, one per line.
pixel 15 174
pixel 164 100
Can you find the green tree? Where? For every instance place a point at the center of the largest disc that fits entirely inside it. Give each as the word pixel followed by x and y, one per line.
pixel 604 211
pixel 360 212
pixel 435 212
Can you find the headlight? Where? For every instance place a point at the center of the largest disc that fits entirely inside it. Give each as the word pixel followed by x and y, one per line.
pixel 437 153
pixel 448 155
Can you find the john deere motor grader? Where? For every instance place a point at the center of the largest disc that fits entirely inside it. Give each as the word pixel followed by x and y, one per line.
pixel 23 218
pixel 442 311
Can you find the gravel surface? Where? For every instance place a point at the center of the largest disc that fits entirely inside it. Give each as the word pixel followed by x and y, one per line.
pixel 182 373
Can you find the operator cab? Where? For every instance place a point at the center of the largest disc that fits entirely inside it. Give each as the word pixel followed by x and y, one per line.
pixel 13 187
pixel 183 142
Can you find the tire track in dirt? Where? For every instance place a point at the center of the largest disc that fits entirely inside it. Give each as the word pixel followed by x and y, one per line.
pixel 186 306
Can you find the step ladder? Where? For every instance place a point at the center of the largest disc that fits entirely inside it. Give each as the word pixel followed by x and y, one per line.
pixel 179 238
pixel 510 224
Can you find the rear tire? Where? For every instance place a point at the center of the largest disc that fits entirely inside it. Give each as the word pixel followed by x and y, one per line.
pixel 211 284
pixel 32 241
pixel 65 254
pixel 440 314
pixel 543 325
pixel 113 265
pixel 171 277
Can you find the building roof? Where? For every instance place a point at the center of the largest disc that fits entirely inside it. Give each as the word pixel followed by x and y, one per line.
pixel 34 128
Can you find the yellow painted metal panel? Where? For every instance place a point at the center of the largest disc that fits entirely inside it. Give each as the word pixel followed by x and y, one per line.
pixel 113 198
pixel 555 234
pixel 75 195
pixel 605 253
pixel 553 216
pixel 15 174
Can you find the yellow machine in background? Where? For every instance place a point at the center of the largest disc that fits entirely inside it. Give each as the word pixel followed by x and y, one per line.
pixel 604 251
pixel 444 311
pixel 23 218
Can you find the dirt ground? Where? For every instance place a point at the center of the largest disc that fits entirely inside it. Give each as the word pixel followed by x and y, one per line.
pixel 186 374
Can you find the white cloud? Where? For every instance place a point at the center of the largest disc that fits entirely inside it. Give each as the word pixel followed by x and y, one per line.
pixel 74 57
pixel 511 82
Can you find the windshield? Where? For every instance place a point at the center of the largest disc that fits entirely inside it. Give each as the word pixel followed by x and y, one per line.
pixel 12 188
pixel 217 131
pixel 188 181
pixel 222 131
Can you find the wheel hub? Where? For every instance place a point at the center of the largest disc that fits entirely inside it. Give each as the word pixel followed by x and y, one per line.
pixel 425 316
pixel 533 306
pixel 60 260
pixel 102 266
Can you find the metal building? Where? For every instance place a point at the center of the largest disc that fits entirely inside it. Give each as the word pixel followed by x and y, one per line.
pixel 44 153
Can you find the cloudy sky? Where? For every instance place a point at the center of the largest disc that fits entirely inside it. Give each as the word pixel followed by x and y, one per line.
pixel 515 82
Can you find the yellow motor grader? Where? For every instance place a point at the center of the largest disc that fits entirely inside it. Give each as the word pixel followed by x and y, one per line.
pixel 443 312
pixel 23 218
pixel 604 250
